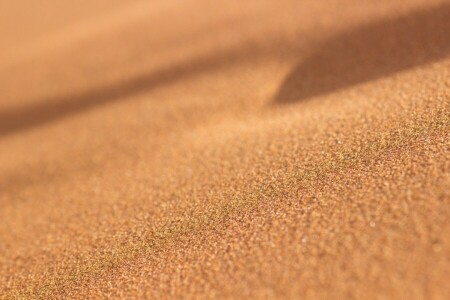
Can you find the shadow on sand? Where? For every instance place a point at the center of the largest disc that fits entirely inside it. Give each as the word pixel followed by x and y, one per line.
pixel 369 52
pixel 47 110
pixel 360 55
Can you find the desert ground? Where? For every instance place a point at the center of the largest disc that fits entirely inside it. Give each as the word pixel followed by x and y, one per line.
pixel 225 149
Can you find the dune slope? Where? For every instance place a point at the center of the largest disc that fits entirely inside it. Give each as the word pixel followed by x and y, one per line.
pixel 257 149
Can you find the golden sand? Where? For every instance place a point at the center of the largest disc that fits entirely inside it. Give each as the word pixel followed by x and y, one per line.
pixel 242 149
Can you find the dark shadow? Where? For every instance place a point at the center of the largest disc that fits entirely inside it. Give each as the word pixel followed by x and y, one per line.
pixel 370 52
pixel 47 110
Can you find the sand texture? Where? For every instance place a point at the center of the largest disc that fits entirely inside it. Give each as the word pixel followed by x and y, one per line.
pixel 225 149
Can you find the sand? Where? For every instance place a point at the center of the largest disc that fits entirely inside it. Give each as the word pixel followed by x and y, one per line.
pixel 241 149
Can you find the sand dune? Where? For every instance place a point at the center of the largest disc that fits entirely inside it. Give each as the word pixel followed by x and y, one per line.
pixel 256 149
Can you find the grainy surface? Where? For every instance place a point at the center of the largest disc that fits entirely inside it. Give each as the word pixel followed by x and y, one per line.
pixel 247 149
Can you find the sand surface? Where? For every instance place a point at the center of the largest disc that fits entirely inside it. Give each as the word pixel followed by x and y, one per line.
pixel 225 149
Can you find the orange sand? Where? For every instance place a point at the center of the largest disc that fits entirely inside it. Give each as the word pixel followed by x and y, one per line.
pixel 242 149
